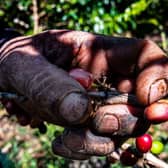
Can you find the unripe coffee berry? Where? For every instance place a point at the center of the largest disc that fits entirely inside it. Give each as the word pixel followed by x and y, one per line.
pixel 157 147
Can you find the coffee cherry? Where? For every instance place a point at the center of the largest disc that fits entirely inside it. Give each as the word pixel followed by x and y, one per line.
pixel 157 147
pixel 144 143
pixel 111 159
pixel 83 77
pixel 157 112
pixel 23 121
pixel 128 158
pixel 42 128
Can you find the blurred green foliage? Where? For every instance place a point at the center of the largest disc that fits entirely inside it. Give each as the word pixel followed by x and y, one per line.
pixel 139 17
pixel 30 158
pixel 5 162
pixel 31 149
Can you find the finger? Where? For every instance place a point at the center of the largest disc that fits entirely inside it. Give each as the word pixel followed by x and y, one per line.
pixel 124 84
pixel 56 97
pixel 152 83
pixel 86 142
pixel 96 53
pixel 157 112
pixel 22 117
pixel 60 149
pixel 13 109
pixel 120 120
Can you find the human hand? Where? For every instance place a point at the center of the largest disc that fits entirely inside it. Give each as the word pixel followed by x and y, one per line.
pixel 33 67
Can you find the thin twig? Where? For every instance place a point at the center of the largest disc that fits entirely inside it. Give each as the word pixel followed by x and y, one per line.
pixel 153 160
pixel 35 16
pixel 107 97
pixel 114 97
pixel 11 96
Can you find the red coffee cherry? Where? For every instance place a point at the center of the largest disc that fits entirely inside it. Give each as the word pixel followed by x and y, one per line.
pixel 144 143
pixel 128 158
pixel 83 77
pixel 157 112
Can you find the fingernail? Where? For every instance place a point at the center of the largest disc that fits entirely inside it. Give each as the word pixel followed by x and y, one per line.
pixel 74 140
pixel 86 142
pixel 74 108
pixel 108 124
pixel 158 90
pixel 59 149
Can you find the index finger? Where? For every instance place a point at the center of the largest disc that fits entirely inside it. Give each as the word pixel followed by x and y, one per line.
pixel 96 53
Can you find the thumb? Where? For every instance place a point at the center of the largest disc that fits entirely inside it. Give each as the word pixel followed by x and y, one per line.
pixel 52 94
pixel 152 82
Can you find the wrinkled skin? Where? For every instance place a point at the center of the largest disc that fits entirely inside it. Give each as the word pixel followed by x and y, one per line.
pixel 37 66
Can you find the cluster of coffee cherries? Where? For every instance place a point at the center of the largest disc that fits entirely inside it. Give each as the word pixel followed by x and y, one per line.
pixel 143 143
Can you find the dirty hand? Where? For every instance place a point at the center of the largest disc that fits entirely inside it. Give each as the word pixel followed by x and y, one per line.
pixel 37 68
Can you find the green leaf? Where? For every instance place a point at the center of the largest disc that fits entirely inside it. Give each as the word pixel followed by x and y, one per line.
pixel 1 12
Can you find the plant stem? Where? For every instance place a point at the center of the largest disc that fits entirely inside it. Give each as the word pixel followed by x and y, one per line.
pixel 35 17
pixel 114 97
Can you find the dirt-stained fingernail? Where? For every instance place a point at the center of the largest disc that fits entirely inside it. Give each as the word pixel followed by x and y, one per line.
pixel 158 90
pixel 74 140
pixel 108 124
pixel 120 120
pixel 59 149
